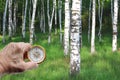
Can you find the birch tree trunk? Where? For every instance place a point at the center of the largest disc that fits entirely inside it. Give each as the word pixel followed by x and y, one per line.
pixel 50 20
pixel 10 19
pixel 24 20
pixel 75 37
pixel 55 3
pixel 89 21
pixel 43 16
pixel 115 17
pixel 40 20
pixel 14 19
pixel 93 27
pixel 100 14
pixel 112 10
pixel 32 22
pixel 67 27
pixel 30 2
pixel 60 18
pixel 4 21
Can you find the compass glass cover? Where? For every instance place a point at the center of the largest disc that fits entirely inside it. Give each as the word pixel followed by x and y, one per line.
pixel 36 54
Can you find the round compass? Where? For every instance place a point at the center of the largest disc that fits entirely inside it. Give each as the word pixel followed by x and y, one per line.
pixel 37 54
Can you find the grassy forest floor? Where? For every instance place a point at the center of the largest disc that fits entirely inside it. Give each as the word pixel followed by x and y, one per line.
pixel 104 65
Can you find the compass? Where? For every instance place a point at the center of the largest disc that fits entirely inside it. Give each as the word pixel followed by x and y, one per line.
pixel 37 54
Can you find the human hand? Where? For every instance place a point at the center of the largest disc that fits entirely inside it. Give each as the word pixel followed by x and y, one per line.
pixel 12 58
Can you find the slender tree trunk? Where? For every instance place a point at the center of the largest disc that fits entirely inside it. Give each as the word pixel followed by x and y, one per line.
pixel 30 14
pixel 23 9
pixel 112 10
pixel 4 21
pixel 115 19
pixel 60 7
pixel 50 20
pixel 14 19
pixel 40 20
pixel 67 27
pixel 10 19
pixel 89 21
pixel 93 27
pixel 32 22
pixel 55 3
pixel 100 14
pixel 24 20
pixel 75 37
pixel 43 16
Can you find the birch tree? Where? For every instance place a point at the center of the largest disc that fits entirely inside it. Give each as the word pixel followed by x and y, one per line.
pixel 60 18
pixel 24 20
pixel 89 21
pixel 114 24
pixel 4 21
pixel 41 15
pixel 14 19
pixel 75 37
pixel 40 19
pixel 10 19
pixel 30 14
pixel 100 14
pixel 32 22
pixel 55 4
pixel 50 19
pixel 67 27
pixel 93 27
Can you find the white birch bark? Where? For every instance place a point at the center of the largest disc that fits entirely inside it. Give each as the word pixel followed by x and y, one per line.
pixel 43 16
pixel 41 22
pixel 32 22
pixel 67 27
pixel 89 21
pixel 14 19
pixel 112 10
pixel 30 14
pixel 93 27
pixel 60 18
pixel 55 3
pixel 100 14
pixel 75 37
pixel 4 21
pixel 115 19
pixel 10 19
pixel 24 20
pixel 50 20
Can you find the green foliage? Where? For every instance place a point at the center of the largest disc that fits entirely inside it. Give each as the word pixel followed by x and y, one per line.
pixel 104 65
pixel 2 4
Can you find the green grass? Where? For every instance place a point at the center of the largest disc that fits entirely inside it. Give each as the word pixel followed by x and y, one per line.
pixel 104 65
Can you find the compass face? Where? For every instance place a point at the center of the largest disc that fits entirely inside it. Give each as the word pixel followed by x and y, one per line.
pixel 36 54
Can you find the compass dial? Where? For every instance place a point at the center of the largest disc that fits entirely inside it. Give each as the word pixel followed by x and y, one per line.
pixel 36 54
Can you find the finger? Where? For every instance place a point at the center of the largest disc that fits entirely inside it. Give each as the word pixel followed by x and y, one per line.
pixel 25 50
pixel 25 47
pixel 30 65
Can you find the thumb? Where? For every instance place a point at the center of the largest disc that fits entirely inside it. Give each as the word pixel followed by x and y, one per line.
pixel 30 65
